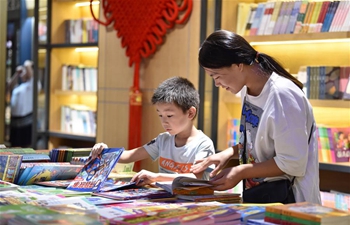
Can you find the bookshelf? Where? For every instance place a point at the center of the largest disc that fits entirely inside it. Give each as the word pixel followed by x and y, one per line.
pixel 293 51
pixel 69 107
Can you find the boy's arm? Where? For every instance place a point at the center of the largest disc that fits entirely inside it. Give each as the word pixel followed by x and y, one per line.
pixel 133 155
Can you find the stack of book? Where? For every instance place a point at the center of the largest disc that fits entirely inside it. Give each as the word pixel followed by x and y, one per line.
pixel 306 213
pixel 293 17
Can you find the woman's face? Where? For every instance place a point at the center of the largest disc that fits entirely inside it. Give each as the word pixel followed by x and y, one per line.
pixel 230 78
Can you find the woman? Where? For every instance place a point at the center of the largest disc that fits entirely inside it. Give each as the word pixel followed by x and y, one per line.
pixel 277 129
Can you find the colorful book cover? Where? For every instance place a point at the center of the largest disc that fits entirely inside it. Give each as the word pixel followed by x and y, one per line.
pixel 39 219
pixel 314 212
pixel 55 183
pixel 9 167
pixel 187 186
pixel 332 82
pixel 341 143
pixel 139 193
pixel 51 172
pixel 5 186
pixel 344 77
pixel 275 12
pixel 95 172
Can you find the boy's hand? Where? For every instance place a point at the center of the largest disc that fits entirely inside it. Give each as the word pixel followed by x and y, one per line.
pixel 97 149
pixel 144 177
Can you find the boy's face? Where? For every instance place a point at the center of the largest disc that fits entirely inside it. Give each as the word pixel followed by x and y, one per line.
pixel 173 119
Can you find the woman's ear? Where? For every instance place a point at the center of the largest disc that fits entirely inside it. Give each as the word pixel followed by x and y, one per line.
pixel 240 67
pixel 192 112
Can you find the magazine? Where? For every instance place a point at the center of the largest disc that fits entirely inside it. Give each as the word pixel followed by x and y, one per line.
pixel 187 186
pixel 95 172
pixel 5 186
pixel 54 183
pixel 139 193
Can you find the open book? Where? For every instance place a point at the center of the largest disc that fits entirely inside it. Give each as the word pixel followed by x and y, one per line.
pixel 187 186
pixel 95 172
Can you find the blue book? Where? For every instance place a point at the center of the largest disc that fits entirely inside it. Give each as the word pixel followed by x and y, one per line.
pixel 95 172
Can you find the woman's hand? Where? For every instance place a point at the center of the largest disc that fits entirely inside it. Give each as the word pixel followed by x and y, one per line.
pixel 219 159
pixel 144 177
pixel 97 149
pixel 226 179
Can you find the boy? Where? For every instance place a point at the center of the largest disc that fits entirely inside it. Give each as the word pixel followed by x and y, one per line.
pixel 177 102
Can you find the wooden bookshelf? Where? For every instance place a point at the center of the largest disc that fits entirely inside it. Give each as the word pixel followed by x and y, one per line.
pixel 59 53
pixel 294 51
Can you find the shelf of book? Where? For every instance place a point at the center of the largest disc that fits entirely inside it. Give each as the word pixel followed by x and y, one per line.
pixel 73 58
pixel 314 37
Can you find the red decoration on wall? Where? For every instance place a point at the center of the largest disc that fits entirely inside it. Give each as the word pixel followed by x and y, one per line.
pixel 141 25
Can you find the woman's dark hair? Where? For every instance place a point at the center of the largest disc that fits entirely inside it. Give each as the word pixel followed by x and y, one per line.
pixel 224 48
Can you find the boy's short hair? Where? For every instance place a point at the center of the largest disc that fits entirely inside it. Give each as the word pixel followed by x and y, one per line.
pixel 177 90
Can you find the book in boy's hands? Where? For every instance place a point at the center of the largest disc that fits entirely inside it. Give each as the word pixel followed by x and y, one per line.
pixel 187 186
pixel 118 185
pixel 305 212
pixel 95 172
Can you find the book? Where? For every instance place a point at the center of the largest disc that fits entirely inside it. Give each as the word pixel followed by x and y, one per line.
pixel 243 14
pixel 95 172
pixel 118 185
pixel 223 197
pixel 187 186
pixel 257 19
pixel 8 212
pixel 139 193
pixel 250 19
pixel 332 74
pixel 301 17
pixel 293 17
pixel 10 167
pixel 344 76
pixel 40 219
pixel 50 171
pixel 313 212
pixel 4 186
pixel 272 22
pixel 55 183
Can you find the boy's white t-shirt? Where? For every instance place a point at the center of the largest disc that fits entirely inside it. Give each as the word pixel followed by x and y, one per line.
pixel 278 124
pixel 177 160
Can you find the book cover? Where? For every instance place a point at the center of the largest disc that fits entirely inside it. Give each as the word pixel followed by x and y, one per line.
pixel 118 185
pixel 280 16
pixel 9 167
pixel 51 172
pixel 323 12
pixel 257 19
pixel 95 172
pixel 223 197
pixel 40 219
pixel 315 212
pixel 344 76
pixel 139 193
pixel 271 24
pixel 332 74
pixel 243 14
pixel 250 20
pixel 301 16
pixel 286 17
pixel 293 18
pixel 54 183
pixel 5 186
pixel 341 143
pixel 187 186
